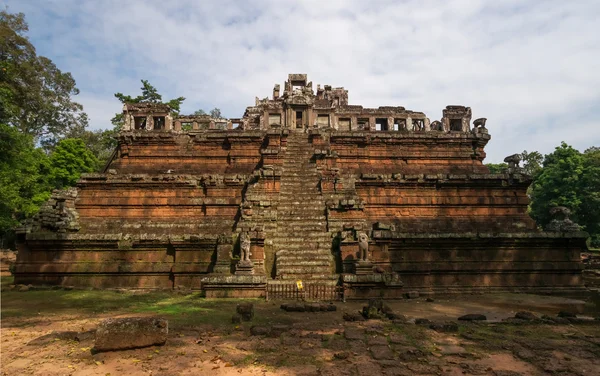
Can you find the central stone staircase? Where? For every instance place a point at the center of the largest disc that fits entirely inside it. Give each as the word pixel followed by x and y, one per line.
pixel 302 243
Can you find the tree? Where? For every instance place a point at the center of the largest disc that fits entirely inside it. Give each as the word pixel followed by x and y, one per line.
pixel 149 95
pixel 589 211
pixel 215 113
pixel 69 160
pixel 558 184
pixel 532 162
pixel 199 112
pixel 101 143
pixel 497 168
pixel 35 96
pixel 24 171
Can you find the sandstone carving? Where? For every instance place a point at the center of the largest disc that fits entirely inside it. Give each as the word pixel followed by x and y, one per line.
pixel 561 221
pixel 513 163
pixel 244 247
pixel 363 246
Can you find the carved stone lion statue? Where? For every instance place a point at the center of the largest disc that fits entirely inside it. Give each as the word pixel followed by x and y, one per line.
pixel 363 246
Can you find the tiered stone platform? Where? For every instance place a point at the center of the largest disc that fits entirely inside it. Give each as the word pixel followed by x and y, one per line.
pixel 379 201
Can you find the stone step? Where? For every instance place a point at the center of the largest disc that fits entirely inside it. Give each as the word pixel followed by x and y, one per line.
pixel 302 263
pixel 292 240
pixel 321 277
pixel 300 251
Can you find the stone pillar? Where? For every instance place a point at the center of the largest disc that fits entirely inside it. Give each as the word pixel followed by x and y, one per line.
pixel 446 124
pixel 409 124
pixel 177 125
pixel 194 125
pixel 371 123
pixel 224 255
pixel 353 123
pixel 128 121
pixel 149 123
pixel 427 125
pixel 390 123
pixel 465 124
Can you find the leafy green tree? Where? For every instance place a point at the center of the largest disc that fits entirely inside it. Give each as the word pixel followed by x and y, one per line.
pixel 199 112
pixel 101 143
pixel 497 168
pixel 69 160
pixel 24 171
pixel 215 113
pixel 35 96
pixel 150 95
pixel 589 211
pixel 558 184
pixel 532 162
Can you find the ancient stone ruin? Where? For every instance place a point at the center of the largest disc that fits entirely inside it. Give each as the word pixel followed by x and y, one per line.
pixel 304 192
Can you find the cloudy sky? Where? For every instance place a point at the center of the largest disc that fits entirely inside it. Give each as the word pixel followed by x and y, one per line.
pixel 531 67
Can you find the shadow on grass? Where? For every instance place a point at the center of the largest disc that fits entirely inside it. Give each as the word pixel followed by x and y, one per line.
pixel 180 310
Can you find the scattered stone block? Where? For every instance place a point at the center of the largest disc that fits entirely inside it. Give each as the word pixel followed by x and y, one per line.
pixel 259 330
pixel 354 334
pixel 473 317
pixel 23 288
pixel 278 330
pixel 352 316
pixel 525 315
pixel 246 311
pixel 381 352
pixel 377 340
pixel 341 355
pixel 412 294
pixel 130 333
pixel 447 327
pixel 567 314
pixel 422 321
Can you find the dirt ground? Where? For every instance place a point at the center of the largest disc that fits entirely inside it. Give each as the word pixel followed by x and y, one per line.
pixel 51 333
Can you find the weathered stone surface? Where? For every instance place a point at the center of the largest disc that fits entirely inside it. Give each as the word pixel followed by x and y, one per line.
pixel 354 334
pixel 525 315
pixel 260 330
pixel 473 317
pixel 447 327
pixel 412 294
pixel 246 311
pixel 130 332
pixel 381 352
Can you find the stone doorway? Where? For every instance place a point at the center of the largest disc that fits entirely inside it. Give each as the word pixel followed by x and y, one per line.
pixel 299 119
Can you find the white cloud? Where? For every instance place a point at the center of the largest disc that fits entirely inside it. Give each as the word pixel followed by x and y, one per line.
pixel 532 68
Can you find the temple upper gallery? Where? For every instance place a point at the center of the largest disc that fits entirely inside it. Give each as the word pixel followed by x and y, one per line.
pixel 353 201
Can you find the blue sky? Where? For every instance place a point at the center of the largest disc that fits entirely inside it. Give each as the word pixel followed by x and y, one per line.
pixel 531 67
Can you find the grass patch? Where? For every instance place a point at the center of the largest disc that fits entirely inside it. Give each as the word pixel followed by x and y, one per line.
pixel 181 310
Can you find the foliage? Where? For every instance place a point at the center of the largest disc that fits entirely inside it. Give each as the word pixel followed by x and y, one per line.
pixel 199 112
pixel 149 95
pixel 69 159
pixel 532 162
pixel 497 168
pixel 35 96
pixel 23 177
pixel 215 113
pixel 101 143
pixel 589 211
pixel 557 184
